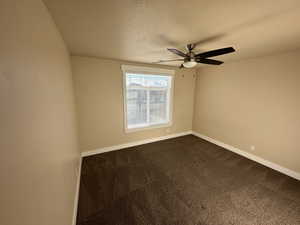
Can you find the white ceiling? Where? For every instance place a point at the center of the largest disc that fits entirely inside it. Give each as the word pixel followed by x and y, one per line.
pixel 141 30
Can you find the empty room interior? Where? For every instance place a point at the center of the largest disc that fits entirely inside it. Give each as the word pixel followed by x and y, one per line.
pixel 149 112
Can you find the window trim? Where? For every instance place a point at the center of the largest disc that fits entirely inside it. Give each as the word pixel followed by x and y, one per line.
pixel 151 71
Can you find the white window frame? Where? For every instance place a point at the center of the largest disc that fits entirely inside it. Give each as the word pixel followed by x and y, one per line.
pixel 150 71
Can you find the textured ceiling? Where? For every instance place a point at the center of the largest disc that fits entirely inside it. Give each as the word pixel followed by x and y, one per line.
pixel 141 30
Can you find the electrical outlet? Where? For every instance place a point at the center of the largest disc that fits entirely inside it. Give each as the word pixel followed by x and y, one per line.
pixel 252 147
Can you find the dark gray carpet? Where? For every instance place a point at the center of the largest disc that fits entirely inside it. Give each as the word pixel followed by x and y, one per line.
pixel 184 181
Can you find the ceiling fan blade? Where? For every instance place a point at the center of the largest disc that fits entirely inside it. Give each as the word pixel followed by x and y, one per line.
pixel 209 61
pixel 216 52
pixel 169 60
pixel 177 52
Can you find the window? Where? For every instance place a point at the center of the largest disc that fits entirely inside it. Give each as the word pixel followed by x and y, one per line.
pixel 147 97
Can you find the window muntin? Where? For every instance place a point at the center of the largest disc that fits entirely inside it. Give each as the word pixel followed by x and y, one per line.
pixel 147 100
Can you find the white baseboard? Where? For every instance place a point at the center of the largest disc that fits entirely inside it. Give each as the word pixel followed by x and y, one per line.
pixel 250 156
pixel 132 144
pixel 77 193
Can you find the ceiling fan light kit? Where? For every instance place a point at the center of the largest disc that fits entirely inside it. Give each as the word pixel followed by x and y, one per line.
pixel 191 59
pixel 190 64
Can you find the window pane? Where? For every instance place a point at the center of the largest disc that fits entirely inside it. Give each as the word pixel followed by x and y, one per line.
pixel 136 107
pixel 158 106
pixel 147 100
pixel 157 81
pixel 140 80
pixel 135 80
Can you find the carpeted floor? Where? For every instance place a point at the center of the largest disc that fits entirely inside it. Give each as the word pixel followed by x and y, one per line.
pixel 184 181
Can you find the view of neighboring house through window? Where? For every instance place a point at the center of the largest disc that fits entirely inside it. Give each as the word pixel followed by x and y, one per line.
pixel 147 100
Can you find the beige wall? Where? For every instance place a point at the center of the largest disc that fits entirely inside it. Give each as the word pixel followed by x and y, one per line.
pixel 253 102
pixel 38 142
pixel 99 96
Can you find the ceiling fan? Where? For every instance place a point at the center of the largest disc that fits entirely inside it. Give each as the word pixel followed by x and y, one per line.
pixel 191 59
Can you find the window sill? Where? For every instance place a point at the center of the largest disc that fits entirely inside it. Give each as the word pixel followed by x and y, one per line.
pixel 156 126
